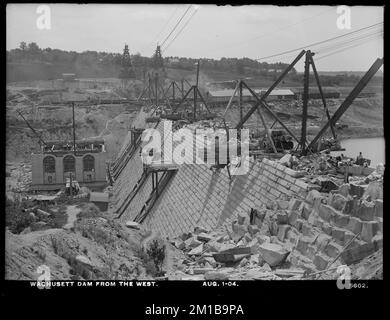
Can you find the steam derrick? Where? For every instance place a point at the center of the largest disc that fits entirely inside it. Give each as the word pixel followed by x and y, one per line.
pixel 127 71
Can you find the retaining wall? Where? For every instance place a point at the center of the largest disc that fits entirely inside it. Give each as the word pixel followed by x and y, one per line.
pixel 199 196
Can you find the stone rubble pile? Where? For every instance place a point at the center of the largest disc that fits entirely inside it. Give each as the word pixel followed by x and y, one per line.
pixel 20 175
pixel 291 239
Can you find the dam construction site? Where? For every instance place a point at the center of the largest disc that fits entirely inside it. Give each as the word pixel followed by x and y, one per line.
pixel 183 176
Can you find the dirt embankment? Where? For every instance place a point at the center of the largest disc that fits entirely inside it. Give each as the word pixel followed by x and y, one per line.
pixel 111 122
pixel 96 247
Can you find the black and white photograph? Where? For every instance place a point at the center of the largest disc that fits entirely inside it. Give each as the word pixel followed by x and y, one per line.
pixel 211 145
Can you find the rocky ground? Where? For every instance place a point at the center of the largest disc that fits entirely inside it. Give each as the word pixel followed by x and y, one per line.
pixel 95 247
pixel 277 247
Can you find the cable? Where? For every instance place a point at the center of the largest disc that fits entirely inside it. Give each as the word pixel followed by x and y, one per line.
pixel 161 31
pixel 320 42
pixel 317 43
pixel 338 44
pixel 289 26
pixel 343 47
pixel 346 48
pixel 174 28
pixel 283 28
pixel 177 34
pixel 322 49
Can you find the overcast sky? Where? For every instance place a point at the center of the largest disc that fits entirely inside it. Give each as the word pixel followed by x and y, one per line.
pixel 254 31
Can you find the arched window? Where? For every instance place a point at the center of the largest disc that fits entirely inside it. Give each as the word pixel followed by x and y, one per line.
pixel 89 163
pixel 49 164
pixel 69 164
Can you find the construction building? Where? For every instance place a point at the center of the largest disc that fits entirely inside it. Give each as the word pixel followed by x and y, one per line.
pixel 69 77
pixel 223 96
pixel 58 162
pixel 314 93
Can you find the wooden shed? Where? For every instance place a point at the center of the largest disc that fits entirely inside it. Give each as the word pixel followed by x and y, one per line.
pixel 100 199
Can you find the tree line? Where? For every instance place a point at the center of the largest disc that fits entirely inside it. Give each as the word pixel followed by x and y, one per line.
pixel 31 53
pixel 52 62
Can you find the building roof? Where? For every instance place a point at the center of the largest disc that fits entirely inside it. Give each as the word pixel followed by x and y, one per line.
pixel 316 90
pixel 89 140
pixel 281 92
pixel 246 92
pixel 227 93
pixel 42 197
pixel 98 197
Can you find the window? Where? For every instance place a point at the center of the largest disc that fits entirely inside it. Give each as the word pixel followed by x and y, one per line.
pixel 89 163
pixel 69 164
pixel 49 165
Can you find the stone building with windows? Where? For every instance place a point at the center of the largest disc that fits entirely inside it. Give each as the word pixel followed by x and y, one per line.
pixel 58 162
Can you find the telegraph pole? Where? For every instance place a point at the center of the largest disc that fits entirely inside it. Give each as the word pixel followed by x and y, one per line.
pixel 74 149
pixel 196 89
pixel 240 99
pixel 149 87
pixel 305 99
pixel 156 88
pixel 74 131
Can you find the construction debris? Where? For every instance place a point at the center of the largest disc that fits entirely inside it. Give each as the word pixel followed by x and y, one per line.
pixel 289 239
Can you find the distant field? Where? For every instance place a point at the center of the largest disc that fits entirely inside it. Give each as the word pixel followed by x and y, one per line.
pixel 349 73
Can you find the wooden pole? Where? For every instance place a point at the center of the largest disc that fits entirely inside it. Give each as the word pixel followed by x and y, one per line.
pixel 268 132
pixel 305 100
pixel 349 99
pixel 70 184
pixel 322 95
pixel 231 98
pixel 74 131
pixel 266 94
pixel 264 105
pixel 204 101
pixel 196 89
pixel 33 130
pixel 149 87
pixel 195 97
pixel 156 88
pixel 240 100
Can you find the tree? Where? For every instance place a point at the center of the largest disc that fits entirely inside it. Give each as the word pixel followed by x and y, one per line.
pixel 23 46
pixel 240 67
pixel 33 48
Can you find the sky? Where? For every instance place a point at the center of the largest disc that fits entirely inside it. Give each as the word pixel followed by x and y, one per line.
pixel 253 31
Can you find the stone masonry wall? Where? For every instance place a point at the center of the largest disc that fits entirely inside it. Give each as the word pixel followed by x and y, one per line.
pixel 127 180
pixel 200 197
pixel 130 175
pixel 140 199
